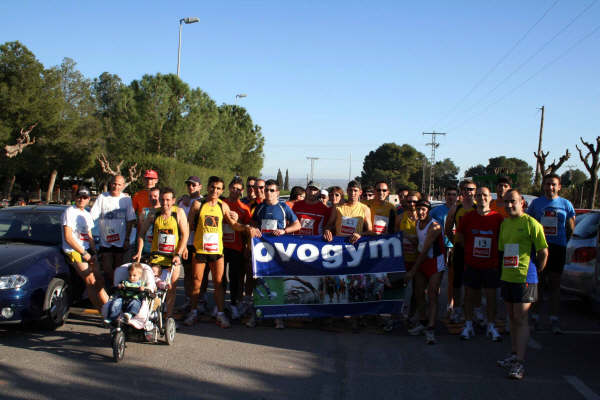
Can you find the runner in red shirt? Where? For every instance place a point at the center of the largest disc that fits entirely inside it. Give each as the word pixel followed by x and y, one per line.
pixel 234 244
pixel 311 212
pixel 478 231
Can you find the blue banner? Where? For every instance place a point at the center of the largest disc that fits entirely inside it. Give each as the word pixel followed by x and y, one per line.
pixel 305 276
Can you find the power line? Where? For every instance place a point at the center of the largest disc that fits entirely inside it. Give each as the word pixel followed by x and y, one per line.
pixel 531 57
pixel 434 145
pixel 498 63
pixel 545 66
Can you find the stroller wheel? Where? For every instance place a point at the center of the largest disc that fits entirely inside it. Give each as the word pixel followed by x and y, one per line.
pixel 118 345
pixel 170 331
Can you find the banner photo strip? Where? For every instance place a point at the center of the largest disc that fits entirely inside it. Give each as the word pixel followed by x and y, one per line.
pixel 305 276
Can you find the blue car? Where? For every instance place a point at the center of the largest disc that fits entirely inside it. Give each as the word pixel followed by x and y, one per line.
pixel 36 282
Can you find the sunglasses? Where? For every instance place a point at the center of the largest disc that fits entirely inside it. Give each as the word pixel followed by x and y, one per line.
pixel 469 189
pixel 412 201
pixel 83 197
pixel 259 187
pixel 271 190
pixel 381 190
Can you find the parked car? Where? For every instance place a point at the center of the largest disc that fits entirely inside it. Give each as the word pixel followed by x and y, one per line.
pixel 36 282
pixel 580 275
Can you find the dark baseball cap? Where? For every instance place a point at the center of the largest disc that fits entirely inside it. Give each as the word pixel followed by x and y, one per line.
pixel 313 184
pixel 83 191
pixel 193 179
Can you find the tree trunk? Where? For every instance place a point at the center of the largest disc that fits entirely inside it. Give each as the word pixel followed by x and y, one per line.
pixel 592 201
pixel 51 186
pixel 11 184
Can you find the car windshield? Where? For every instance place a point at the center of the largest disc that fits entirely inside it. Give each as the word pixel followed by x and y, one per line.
pixel 30 227
pixel 587 226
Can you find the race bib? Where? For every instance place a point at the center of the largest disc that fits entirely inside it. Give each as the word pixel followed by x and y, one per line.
pixel 482 247
pixel 84 237
pixel 550 223
pixel 380 223
pixel 511 255
pixel 268 225
pixel 112 238
pixel 307 226
pixel 228 234
pixel 210 242
pixel 166 241
pixel 349 225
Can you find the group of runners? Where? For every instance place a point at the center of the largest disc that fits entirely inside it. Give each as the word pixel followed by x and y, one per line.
pixel 483 244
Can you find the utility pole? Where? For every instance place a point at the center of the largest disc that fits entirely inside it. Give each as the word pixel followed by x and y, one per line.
pixel 537 164
pixel 312 167
pixel 434 145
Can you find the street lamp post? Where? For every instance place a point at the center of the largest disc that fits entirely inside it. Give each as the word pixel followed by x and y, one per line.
pixel 239 96
pixel 189 20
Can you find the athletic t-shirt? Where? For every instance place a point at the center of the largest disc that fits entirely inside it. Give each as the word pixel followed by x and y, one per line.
pixel 81 223
pixel 519 237
pixel 233 239
pixel 112 214
pixel 500 210
pixel 312 217
pixel 271 217
pixel 439 214
pixel 208 237
pixel 383 216
pixel 408 227
pixel 553 215
pixel 350 219
pixel 140 200
pixel 481 238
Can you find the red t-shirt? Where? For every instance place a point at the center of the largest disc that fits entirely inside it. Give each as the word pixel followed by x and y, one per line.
pixel 233 239
pixel 312 217
pixel 481 238
pixel 140 200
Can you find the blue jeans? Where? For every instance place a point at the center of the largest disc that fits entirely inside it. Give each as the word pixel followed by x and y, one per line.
pixel 116 306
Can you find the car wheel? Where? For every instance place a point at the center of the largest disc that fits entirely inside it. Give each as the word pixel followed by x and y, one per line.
pixel 56 304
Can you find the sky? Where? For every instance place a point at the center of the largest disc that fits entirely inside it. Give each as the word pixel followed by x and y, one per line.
pixel 337 79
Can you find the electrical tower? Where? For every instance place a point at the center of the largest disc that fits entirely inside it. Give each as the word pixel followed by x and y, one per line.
pixel 312 167
pixel 434 145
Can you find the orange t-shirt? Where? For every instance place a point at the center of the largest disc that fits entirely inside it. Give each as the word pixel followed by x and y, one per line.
pixel 140 201
pixel 500 210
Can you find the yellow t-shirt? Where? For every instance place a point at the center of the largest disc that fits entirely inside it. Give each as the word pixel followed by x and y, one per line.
pixel 208 238
pixel 408 227
pixel 350 219
pixel 383 216
pixel 165 238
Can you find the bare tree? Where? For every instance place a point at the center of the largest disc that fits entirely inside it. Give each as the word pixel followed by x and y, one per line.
pixel 552 168
pixel 22 141
pixel 592 167
pixel 134 174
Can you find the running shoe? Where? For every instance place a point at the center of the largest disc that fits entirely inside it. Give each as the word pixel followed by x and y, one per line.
pixel 126 317
pixel 555 326
pixel 493 334
pixel 223 321
pixel 202 308
pixel 429 336
pixel 251 323
pixel 517 370
pixel 417 330
pixel 235 314
pixel 508 361
pixel 279 323
pixel 467 333
pixel 191 318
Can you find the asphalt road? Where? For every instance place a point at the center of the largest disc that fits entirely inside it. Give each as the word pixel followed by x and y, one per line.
pixel 301 362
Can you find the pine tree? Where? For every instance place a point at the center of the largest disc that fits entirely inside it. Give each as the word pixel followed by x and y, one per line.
pixel 286 183
pixel 279 178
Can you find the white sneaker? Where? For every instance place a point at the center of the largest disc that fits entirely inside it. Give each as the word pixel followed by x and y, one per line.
pixel 223 321
pixel 417 330
pixel 429 336
pixel 467 333
pixel 191 318
pixel 493 334
pixel 279 323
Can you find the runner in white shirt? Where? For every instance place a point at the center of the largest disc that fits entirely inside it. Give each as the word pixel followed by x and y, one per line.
pixel 115 216
pixel 78 245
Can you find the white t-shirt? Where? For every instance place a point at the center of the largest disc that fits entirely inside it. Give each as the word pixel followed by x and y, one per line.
pixel 112 215
pixel 81 224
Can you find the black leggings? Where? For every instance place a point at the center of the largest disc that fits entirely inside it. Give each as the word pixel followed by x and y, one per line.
pixel 234 261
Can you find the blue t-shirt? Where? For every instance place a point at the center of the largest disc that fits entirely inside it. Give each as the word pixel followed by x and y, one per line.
pixel 553 215
pixel 439 214
pixel 272 217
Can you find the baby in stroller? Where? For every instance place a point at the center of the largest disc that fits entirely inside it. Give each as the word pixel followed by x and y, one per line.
pixel 130 295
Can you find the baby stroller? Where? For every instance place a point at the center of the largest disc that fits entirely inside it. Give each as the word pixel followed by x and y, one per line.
pixel 148 322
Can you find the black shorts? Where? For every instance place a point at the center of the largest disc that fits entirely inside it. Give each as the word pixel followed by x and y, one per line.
pixel 206 258
pixel 458 264
pixel 519 292
pixel 111 249
pixel 235 259
pixel 556 258
pixel 477 278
